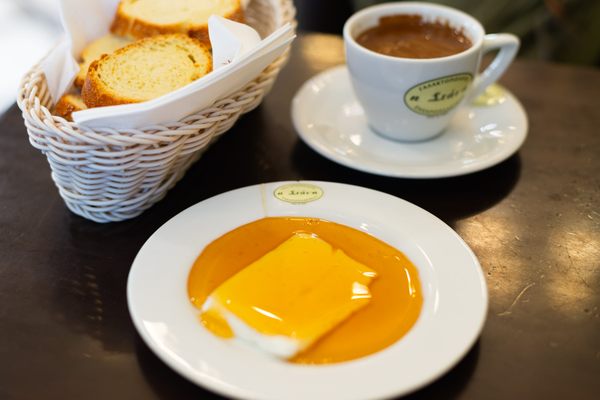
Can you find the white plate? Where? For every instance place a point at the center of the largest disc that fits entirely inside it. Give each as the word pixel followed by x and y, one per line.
pixel 328 117
pixel 454 290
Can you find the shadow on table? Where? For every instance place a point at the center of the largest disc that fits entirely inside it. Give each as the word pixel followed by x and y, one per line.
pixel 165 382
pixel 450 385
pixel 87 289
pixel 450 199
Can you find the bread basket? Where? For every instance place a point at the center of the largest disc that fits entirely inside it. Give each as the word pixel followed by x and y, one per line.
pixel 109 175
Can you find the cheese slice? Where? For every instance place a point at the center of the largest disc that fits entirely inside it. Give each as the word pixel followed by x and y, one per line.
pixel 290 297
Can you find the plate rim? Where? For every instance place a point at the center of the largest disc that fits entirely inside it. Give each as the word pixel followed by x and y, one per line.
pixel 239 393
pixel 326 152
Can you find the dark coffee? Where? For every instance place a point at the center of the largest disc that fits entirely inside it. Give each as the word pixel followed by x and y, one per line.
pixel 409 36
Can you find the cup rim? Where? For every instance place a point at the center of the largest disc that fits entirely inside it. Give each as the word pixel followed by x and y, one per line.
pixel 349 38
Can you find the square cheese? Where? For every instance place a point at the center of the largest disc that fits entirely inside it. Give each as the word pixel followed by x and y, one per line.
pixel 290 297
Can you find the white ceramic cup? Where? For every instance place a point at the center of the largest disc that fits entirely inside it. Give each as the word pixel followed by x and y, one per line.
pixel 411 99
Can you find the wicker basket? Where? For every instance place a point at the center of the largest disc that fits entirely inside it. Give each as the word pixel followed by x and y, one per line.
pixel 109 175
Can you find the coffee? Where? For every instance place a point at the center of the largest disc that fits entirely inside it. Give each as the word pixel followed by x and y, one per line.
pixel 411 97
pixel 409 36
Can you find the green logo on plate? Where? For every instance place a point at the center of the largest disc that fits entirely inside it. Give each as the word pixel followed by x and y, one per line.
pixel 438 96
pixel 298 193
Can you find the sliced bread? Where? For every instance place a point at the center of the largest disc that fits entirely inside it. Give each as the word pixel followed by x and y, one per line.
pixel 105 45
pixel 145 69
pixel 143 18
pixel 69 104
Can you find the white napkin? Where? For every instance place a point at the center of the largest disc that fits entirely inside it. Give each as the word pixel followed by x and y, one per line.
pixel 239 56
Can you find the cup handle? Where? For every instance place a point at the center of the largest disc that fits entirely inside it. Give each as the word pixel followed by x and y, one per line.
pixel 508 45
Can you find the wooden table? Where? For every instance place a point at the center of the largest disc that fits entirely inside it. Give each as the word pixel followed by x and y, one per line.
pixel 533 221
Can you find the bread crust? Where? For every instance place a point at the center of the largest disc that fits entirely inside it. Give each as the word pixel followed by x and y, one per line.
pixel 66 106
pixel 125 25
pixel 96 94
pixel 91 52
pixel 80 78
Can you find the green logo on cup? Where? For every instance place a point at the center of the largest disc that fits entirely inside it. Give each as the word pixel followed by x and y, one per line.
pixel 438 96
pixel 298 193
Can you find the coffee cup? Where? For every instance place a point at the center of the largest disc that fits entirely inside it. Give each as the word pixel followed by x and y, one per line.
pixel 413 99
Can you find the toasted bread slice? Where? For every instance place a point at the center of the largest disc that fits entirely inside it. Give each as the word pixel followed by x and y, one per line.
pixel 143 18
pixel 105 45
pixel 69 104
pixel 146 69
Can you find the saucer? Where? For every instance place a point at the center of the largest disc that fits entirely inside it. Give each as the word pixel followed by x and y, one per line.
pixel 329 119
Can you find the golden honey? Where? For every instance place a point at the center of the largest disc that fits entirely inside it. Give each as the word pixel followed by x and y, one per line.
pixel 391 308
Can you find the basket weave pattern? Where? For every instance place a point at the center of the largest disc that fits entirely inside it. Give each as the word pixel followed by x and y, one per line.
pixel 108 175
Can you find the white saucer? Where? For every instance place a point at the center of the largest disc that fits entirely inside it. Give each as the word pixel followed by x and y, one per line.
pixel 329 119
pixel 453 313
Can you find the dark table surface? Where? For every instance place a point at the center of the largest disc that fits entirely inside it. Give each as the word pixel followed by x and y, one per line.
pixel 533 221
